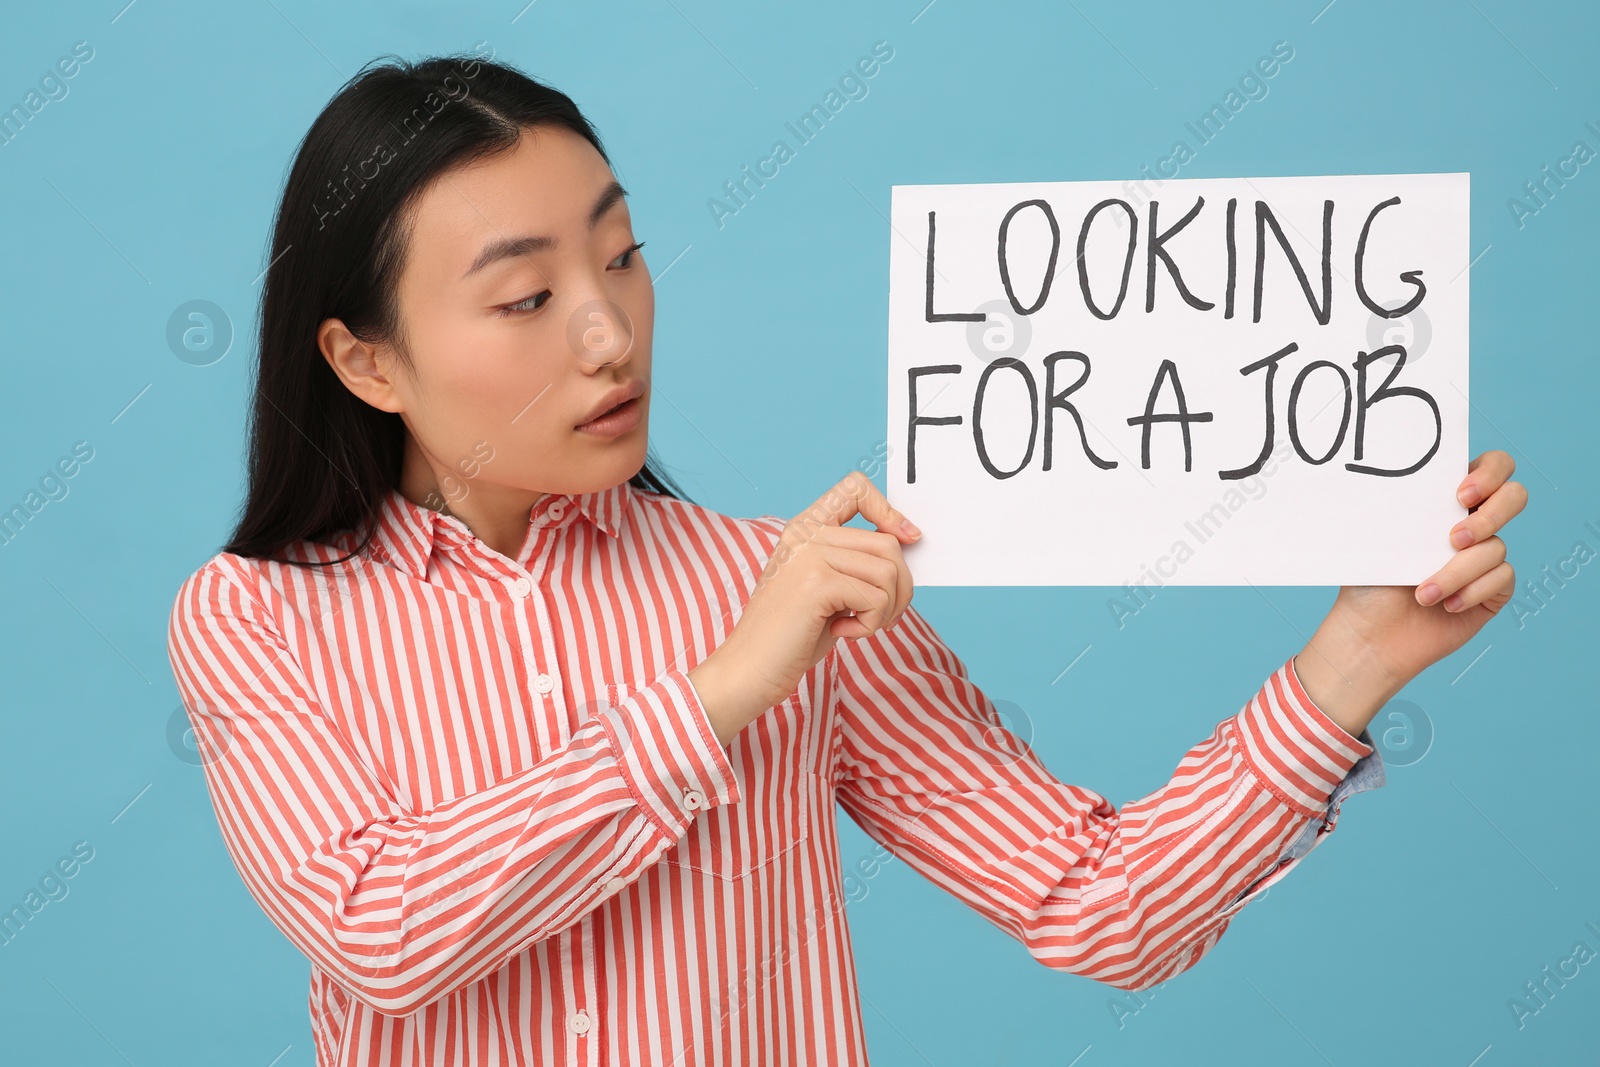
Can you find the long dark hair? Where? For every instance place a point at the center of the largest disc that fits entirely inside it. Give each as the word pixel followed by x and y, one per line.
pixel 321 458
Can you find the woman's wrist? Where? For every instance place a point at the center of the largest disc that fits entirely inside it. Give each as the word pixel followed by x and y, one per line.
pixel 720 703
pixel 1344 673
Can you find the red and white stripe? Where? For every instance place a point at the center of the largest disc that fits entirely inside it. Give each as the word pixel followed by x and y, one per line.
pixel 482 797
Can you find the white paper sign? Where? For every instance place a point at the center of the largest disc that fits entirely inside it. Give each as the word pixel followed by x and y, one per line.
pixel 1089 366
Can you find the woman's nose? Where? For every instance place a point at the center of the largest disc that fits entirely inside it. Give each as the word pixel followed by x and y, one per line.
pixel 600 332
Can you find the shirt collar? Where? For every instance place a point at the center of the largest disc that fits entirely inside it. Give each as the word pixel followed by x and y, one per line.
pixel 407 532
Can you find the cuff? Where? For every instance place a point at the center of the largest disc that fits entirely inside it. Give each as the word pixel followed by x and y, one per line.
pixel 1368 773
pixel 671 758
pixel 1296 751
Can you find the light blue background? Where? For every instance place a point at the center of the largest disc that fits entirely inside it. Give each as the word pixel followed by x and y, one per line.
pixel 152 183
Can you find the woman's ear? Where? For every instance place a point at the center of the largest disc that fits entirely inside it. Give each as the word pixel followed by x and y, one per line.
pixel 357 365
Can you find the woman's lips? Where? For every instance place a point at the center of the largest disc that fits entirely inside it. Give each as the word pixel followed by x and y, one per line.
pixel 618 420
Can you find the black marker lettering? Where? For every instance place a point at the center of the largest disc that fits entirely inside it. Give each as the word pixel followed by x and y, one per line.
pixel 1233 262
pixel 1294 402
pixel 1127 266
pixel 942 316
pixel 1155 249
pixel 1412 276
pixel 1264 218
pixel 1181 416
pixel 1021 368
pixel 1271 364
pixel 1050 268
pixel 1363 402
pixel 1055 400
pixel 924 420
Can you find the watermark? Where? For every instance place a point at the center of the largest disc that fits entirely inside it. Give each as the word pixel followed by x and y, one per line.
pixel 199 332
pixel 1012 735
pixel 1252 86
pixel 453 490
pixel 53 87
pixel 1402 732
pixel 870 464
pixel 338 195
pixel 339 583
pixel 998 331
pixel 1539 992
pixel 1131 1003
pixel 600 332
pixel 1137 593
pixel 795 536
pixel 1541 191
pixel 852 85
pixel 52 486
pixel 52 886
pixel 185 743
pixel 1411 333
pixel 1540 591
pixel 874 462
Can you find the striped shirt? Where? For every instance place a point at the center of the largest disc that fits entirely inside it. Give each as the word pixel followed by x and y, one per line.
pixel 481 796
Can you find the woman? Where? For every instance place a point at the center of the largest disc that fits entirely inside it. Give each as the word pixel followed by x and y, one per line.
pixel 537 761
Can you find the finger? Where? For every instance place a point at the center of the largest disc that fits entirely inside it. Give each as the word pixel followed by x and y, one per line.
pixel 803 530
pixel 870 570
pixel 1493 588
pixel 853 584
pixel 856 495
pixel 1465 566
pixel 1484 475
pixel 879 544
pixel 1488 517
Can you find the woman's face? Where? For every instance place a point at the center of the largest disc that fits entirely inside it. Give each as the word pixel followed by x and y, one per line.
pixel 524 310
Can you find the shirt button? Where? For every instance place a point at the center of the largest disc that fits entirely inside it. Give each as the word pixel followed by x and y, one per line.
pixel 614 885
pixel 556 511
pixel 521 587
pixel 693 799
pixel 544 683
pixel 579 1022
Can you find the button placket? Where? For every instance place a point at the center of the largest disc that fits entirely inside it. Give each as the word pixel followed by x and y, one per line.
pixel 549 698
pixel 584 1004
pixel 577 1015
pixel 545 525
pixel 591 992
pixel 548 706
pixel 521 589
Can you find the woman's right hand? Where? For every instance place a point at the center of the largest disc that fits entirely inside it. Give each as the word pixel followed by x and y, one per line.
pixel 823 581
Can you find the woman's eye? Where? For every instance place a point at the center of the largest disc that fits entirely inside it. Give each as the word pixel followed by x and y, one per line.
pixel 527 305
pixel 538 300
pixel 627 256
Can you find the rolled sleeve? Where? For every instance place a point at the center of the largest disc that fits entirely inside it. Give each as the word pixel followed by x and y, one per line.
pixel 1127 897
pixel 1295 749
pixel 1367 772
pixel 669 753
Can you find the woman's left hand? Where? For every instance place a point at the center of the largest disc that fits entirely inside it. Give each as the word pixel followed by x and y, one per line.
pixel 1416 627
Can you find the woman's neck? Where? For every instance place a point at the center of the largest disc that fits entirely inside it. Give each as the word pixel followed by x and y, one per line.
pixel 497 515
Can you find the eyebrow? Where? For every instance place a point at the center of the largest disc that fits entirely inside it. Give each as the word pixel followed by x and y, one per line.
pixel 508 247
